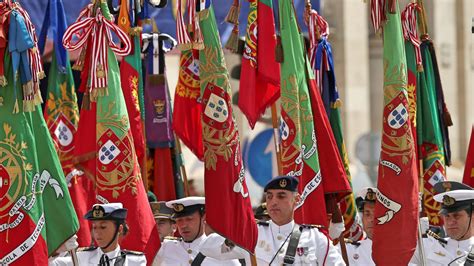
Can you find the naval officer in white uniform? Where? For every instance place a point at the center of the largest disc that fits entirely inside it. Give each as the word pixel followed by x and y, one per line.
pixel 457 201
pixel 108 227
pixel 189 215
pixel 360 252
pixel 280 240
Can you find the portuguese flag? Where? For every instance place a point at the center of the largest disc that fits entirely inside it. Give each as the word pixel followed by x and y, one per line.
pixel 36 211
pixel 62 117
pixel 228 208
pixel 117 172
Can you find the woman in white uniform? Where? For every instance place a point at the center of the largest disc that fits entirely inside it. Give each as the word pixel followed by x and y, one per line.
pixel 108 228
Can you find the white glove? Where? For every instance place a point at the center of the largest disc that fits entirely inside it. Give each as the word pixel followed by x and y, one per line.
pixel 335 229
pixel 424 224
pixel 70 244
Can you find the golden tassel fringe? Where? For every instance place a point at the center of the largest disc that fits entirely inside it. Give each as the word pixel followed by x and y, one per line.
pixel 336 104
pixel 233 41
pixel 185 46
pixel 233 15
pixel 419 68
pixel 3 81
pixel 16 109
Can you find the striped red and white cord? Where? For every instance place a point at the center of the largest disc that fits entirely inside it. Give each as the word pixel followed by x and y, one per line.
pixel 100 30
pixel 318 28
pixel 377 14
pixel 181 31
pixel 410 32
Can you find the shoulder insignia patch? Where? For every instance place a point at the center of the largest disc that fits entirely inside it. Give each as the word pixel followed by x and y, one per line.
pixel 173 238
pixel 131 252
pixel 310 226
pixel 86 249
pixel 349 241
pixel 263 223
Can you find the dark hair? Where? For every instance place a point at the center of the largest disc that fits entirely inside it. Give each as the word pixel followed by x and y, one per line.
pixel 125 227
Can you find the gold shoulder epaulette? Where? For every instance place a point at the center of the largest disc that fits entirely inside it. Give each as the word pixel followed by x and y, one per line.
pixel 131 252
pixel 309 226
pixel 263 223
pixel 173 238
pixel 352 242
pixel 437 237
pixel 86 249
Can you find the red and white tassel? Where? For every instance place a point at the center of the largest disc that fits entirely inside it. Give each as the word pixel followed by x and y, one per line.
pixel 100 30
pixel 377 14
pixel 410 33
pixel 184 40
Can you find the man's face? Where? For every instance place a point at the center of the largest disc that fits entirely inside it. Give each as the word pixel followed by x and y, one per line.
pixel 165 227
pixel 368 218
pixel 280 205
pixel 190 226
pixel 456 225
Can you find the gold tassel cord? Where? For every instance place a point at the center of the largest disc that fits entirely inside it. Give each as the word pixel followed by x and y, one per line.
pixel 233 15
pixel 233 41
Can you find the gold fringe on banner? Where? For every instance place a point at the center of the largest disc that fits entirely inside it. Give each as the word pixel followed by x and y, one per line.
pixel 233 41
pixel 233 15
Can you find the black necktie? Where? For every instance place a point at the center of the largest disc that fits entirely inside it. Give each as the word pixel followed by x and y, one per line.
pixel 104 260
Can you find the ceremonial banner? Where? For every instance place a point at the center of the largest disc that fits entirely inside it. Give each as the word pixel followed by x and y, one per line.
pixel 299 148
pixel 131 79
pixel 117 173
pixel 187 108
pixel 423 116
pixel 228 208
pixel 397 197
pixel 34 198
pixel 260 75
pixel 322 60
pixel 468 177
pixel 62 116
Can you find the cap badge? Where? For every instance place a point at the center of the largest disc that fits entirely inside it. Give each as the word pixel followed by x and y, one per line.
pixel 448 201
pixel 370 195
pixel 178 207
pixel 283 183
pixel 98 212
pixel 447 186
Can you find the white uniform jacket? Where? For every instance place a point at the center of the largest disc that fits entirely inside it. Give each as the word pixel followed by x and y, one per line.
pixel 360 253
pixel 92 257
pixel 174 251
pixel 437 253
pixel 314 248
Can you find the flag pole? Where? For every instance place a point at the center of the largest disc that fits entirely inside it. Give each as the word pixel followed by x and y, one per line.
pixel 144 163
pixel 421 185
pixel 73 254
pixel 422 23
pixel 276 138
pixel 179 153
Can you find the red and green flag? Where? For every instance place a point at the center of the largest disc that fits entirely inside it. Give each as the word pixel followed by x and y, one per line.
pixel 260 76
pixel 131 79
pixel 117 172
pixel 396 209
pixel 468 177
pixel 61 114
pixel 321 54
pixel 300 156
pixel 228 207
pixel 432 131
pixel 187 107
pixel 34 198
